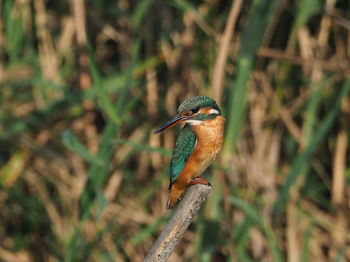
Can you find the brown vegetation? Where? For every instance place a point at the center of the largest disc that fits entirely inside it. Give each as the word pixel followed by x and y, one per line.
pixel 84 83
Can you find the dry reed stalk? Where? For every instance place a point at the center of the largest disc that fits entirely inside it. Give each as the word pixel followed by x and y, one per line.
pixel 224 44
pixel 333 65
pixel 339 165
pixel 306 44
pixel 78 7
pixel 47 54
pixel 338 186
pixel 66 39
pixel 152 102
pixel 36 182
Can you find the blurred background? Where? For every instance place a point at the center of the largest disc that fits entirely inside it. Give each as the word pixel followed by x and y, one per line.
pixel 84 84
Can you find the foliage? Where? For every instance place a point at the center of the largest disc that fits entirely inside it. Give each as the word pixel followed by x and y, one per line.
pixel 84 84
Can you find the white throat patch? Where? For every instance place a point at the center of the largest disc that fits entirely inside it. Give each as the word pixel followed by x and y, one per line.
pixel 214 111
pixel 193 122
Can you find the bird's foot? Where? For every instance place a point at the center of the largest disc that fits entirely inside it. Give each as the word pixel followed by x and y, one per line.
pixel 199 180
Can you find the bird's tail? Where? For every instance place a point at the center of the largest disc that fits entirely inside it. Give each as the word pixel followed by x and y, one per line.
pixel 174 196
pixel 169 203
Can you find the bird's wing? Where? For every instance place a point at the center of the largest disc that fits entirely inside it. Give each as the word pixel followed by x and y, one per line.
pixel 184 146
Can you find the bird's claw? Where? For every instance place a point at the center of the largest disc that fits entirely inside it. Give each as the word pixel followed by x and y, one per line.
pixel 199 180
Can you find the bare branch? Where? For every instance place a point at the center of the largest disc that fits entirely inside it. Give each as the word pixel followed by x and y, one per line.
pixel 178 223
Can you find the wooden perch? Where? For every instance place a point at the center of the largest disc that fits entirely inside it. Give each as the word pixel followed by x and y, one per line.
pixel 178 223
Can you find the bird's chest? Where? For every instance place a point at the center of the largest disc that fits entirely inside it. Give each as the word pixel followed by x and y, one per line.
pixel 210 137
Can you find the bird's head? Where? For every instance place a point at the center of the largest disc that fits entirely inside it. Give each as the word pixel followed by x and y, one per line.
pixel 193 111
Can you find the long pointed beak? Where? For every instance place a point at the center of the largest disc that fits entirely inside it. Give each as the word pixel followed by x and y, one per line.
pixel 177 119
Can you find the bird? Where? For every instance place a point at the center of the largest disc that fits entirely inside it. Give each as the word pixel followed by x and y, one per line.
pixel 198 143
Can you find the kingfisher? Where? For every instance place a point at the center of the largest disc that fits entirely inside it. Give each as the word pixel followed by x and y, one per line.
pixel 197 144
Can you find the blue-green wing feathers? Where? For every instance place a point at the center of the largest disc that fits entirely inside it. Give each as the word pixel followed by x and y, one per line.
pixel 185 144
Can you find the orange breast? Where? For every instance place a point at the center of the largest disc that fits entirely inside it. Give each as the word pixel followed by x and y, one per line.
pixel 210 137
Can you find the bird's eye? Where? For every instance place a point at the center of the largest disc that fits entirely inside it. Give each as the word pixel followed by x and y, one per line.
pixel 194 110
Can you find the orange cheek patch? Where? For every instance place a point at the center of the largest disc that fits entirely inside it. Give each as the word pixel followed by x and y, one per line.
pixel 205 110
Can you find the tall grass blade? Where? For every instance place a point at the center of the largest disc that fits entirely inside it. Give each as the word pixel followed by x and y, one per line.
pixel 13 28
pixel 253 214
pixel 97 173
pixel 305 253
pixel 72 142
pixel 305 156
pixel 141 12
pixel 252 37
